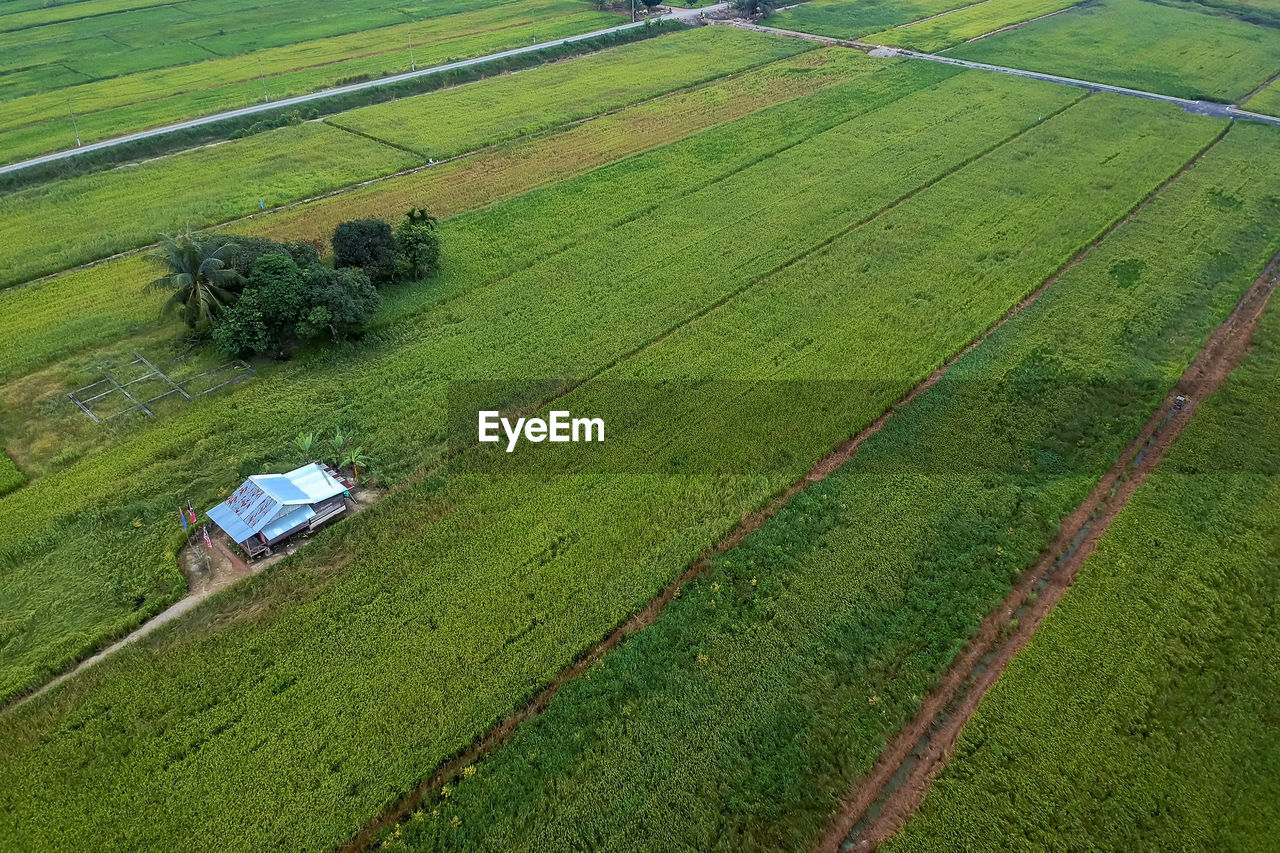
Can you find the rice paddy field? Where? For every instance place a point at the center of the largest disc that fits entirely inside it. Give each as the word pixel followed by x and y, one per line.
pixel 1149 46
pixel 114 100
pixel 865 334
pixel 1094 740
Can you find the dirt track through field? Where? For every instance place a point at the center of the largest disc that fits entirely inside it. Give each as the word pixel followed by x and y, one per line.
pixel 506 728
pixel 895 787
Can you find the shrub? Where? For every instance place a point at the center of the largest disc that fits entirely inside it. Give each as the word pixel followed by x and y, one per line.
pixel 367 244
pixel 417 246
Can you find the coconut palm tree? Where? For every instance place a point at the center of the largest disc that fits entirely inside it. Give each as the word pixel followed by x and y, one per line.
pixel 198 277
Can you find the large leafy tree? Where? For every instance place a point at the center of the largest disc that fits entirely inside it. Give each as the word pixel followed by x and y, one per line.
pixel 200 283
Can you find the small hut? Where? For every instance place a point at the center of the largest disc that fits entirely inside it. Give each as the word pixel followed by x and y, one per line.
pixel 269 508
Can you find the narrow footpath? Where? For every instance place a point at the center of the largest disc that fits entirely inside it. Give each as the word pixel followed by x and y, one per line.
pixel 895 787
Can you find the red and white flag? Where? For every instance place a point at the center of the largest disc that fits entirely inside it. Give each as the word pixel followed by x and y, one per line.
pixel 208 543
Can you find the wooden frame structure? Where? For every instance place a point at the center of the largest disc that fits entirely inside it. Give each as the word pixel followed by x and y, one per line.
pixel 240 368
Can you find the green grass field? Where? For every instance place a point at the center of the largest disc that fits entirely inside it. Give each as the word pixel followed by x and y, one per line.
pixel 78 310
pixel 1266 102
pixel 769 686
pixel 497 573
pixel 845 19
pixel 969 22
pixel 1142 45
pixel 38 123
pixel 98 40
pixel 1142 715
pixel 212 185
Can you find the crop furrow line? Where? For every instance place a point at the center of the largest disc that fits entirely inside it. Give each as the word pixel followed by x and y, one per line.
pixel 933 733
pixel 896 785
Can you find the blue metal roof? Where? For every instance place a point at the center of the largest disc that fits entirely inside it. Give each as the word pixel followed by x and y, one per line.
pixel 265 502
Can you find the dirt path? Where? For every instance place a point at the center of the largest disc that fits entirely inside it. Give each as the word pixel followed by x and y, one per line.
pixel 896 786
pixel 206 571
pixel 500 733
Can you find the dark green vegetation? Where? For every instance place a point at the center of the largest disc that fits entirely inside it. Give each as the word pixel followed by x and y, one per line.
pixel 1143 714
pixel 472 587
pixel 1158 48
pixel 844 19
pixel 742 716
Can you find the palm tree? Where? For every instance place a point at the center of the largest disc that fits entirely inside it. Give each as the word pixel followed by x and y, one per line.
pixel 356 458
pixel 198 276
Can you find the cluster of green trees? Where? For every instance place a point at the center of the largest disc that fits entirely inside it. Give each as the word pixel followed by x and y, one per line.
pixel 256 296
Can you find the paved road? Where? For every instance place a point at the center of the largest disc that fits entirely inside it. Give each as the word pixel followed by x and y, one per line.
pixel 1207 108
pixel 680 14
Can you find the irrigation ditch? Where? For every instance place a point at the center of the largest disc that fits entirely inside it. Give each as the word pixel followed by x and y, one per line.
pixel 897 784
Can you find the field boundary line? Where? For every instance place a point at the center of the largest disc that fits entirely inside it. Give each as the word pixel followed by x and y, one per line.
pixel 1007 27
pixel 501 731
pixel 421 167
pixel 242 80
pixel 933 731
pixel 1273 78
pixel 986 657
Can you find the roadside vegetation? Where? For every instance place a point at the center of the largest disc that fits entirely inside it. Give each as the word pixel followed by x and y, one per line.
pixel 81 309
pixel 1143 45
pixel 216 184
pixel 1143 712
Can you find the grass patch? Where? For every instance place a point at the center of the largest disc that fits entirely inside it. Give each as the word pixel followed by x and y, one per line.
pixel 38 123
pixel 1144 46
pixel 84 308
pixel 216 184
pixel 764 692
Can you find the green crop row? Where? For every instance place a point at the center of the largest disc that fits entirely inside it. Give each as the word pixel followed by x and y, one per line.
pixel 212 185
pixel 744 714
pixel 133 205
pixel 966 23
pixel 854 18
pixel 1142 45
pixel 1267 101
pixel 84 308
pixel 101 43
pixel 38 123
pixel 471 587
pixel 1142 714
